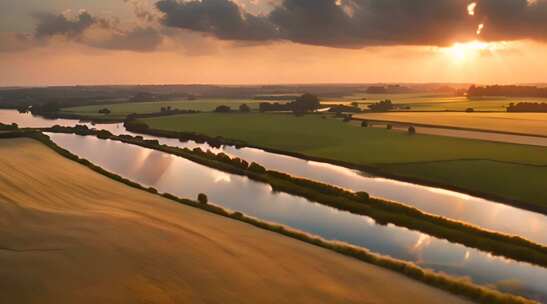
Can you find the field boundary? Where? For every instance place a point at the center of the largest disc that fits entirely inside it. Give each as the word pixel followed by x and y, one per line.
pixel 458 286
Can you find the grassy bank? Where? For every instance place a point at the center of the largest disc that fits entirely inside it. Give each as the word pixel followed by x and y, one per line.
pixel 382 211
pixel 457 286
pixel 381 151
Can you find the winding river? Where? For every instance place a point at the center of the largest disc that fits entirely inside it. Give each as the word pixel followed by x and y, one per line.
pixel 181 177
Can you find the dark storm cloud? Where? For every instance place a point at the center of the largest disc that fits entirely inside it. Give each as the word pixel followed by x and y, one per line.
pixel 360 23
pixel 513 19
pixel 221 18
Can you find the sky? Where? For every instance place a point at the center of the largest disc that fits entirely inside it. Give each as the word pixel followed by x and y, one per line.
pixel 89 42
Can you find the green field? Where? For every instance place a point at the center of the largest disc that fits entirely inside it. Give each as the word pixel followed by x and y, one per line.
pixel 453 161
pixel 120 110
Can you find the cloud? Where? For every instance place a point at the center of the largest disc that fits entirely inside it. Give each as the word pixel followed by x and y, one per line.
pixel 96 32
pixel 221 18
pixel 361 23
pixel 52 24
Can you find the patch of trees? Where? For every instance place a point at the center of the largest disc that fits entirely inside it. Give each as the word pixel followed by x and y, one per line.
pixel 506 90
pixel 382 106
pixel 527 107
pixel 305 103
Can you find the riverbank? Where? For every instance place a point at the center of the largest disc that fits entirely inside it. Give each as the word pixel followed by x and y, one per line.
pixel 460 287
pixel 359 203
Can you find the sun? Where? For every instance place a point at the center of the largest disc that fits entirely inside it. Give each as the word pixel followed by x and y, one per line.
pixel 465 51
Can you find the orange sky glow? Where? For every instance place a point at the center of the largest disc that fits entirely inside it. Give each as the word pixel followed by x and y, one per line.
pixel 193 57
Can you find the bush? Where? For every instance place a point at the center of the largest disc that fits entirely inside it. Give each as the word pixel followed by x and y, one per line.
pixel 362 196
pixel 389 126
pixel 364 124
pixel 104 111
pixel 202 198
pixel 244 108
pixel 411 130
pixel 223 109
pixel 257 168
pixel 469 110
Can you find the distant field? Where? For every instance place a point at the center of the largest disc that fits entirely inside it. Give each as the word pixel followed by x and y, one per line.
pixel 391 151
pixel 436 101
pixel 70 235
pixel 526 123
pixel 124 109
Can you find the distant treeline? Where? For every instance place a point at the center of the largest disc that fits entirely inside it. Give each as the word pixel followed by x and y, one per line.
pixel 527 107
pixel 506 90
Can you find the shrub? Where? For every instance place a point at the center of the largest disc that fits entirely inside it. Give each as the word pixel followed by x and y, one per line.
pixel 364 124
pixel 411 130
pixel 202 198
pixel 244 108
pixel 104 134
pixel 389 126
pixel 469 110
pixel 104 111
pixel 257 168
pixel 223 109
pixel 362 196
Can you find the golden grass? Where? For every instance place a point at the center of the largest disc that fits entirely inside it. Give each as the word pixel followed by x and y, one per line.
pixel 526 123
pixel 71 235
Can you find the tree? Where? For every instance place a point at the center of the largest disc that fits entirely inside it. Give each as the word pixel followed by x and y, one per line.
pixel 223 109
pixel 389 127
pixel 244 108
pixel 202 198
pixel 306 102
pixel 411 130
pixel 364 124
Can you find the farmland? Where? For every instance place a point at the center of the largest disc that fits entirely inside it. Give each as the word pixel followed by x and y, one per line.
pixel 434 101
pixel 525 123
pixel 389 151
